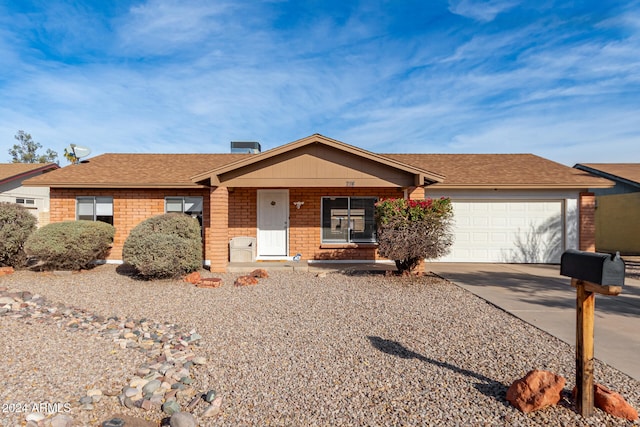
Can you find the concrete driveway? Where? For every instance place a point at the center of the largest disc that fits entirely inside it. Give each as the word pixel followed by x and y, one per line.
pixel 538 295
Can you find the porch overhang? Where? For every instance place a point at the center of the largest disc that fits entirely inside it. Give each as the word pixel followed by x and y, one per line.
pixel 318 161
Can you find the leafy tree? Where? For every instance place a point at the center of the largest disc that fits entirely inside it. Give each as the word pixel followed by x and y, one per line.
pixel 412 230
pixel 26 151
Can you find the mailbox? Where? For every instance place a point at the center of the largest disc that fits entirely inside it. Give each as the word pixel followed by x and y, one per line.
pixel 594 267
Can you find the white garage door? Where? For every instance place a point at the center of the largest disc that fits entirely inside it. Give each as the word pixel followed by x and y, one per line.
pixel 513 231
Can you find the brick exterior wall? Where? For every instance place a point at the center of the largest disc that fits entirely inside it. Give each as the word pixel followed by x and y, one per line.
pixel 228 214
pixel 216 248
pixel 130 207
pixel 305 223
pixel 587 225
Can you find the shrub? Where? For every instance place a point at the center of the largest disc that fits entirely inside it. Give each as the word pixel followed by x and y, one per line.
pixel 164 246
pixel 412 230
pixel 16 225
pixel 70 245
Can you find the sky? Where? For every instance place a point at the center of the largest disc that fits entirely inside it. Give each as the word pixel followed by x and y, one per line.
pixel 560 79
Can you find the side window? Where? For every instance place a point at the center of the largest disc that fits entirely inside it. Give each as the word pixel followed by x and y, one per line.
pixel 23 201
pixel 191 206
pixel 95 209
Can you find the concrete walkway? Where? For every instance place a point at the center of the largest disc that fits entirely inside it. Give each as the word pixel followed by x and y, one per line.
pixel 538 295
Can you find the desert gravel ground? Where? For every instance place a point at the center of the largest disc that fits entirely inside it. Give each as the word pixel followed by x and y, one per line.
pixel 301 350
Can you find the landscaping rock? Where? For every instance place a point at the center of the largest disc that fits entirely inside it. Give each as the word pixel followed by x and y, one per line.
pixel 151 386
pixel 6 300
pixel 35 416
pixel 62 420
pixel 613 403
pixel 211 394
pixel 245 281
pixel 536 390
pixel 182 419
pixel 170 407
pixel 113 422
pixel 200 360
pixel 213 409
pixel 259 273
pixel 6 270
pixel 209 282
pixel 193 278
pixel 128 421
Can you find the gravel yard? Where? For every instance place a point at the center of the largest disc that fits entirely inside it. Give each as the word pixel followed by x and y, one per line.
pixel 300 350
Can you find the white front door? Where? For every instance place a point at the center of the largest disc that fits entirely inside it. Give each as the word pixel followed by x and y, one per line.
pixel 273 223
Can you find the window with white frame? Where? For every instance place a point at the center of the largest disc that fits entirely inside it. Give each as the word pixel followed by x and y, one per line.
pixel 191 206
pixel 348 219
pixel 92 208
pixel 24 201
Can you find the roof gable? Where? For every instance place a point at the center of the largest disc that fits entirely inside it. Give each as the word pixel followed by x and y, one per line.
pixel 318 161
pixel 629 173
pixel 14 171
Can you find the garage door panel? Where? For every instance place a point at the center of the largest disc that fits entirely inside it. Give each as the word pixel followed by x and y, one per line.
pixel 507 231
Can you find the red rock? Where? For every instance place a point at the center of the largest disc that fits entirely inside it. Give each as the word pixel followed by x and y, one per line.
pixel 245 281
pixel 536 390
pixel 6 270
pixel 209 282
pixel 192 278
pixel 260 273
pixel 613 403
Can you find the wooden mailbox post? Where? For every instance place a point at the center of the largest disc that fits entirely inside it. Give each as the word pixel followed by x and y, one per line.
pixel 591 273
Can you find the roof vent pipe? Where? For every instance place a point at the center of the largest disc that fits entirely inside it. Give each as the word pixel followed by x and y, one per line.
pixel 251 147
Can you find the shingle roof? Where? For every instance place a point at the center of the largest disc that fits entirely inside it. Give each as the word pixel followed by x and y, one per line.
pixel 136 170
pixel 501 170
pixel 10 171
pixel 459 171
pixel 627 171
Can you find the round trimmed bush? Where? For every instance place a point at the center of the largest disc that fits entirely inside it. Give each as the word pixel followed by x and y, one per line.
pixel 164 246
pixel 70 245
pixel 16 225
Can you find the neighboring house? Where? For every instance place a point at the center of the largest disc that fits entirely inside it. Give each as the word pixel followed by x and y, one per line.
pixel 315 197
pixel 36 199
pixel 617 208
pixel 625 175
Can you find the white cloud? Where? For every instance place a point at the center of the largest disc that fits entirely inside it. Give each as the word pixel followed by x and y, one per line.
pixel 481 10
pixel 165 27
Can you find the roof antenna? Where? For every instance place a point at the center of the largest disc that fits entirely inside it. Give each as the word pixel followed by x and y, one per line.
pixel 78 152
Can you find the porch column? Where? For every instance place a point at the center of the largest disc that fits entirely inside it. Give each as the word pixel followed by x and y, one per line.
pixel 587 219
pixel 217 249
pixel 414 193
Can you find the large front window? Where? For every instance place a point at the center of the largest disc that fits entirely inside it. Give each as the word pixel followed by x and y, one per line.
pixel 95 209
pixel 348 220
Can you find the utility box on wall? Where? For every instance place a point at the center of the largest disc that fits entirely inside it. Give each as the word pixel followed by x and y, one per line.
pixel 242 249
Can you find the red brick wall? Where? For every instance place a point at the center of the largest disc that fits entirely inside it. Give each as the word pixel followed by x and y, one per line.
pixel 304 229
pixel 587 239
pixel 243 217
pixel 221 223
pixel 130 207
pixel 216 248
